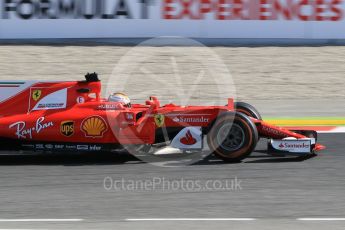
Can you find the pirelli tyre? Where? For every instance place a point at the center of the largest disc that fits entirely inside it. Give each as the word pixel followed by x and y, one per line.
pixel 233 137
pixel 248 110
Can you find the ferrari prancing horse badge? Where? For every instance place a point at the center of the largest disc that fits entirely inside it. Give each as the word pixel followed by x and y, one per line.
pixel 36 94
pixel 159 120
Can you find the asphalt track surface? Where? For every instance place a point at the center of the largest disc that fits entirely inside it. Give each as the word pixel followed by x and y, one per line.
pixel 275 191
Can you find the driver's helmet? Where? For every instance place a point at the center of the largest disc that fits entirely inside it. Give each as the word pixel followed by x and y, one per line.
pixel 121 98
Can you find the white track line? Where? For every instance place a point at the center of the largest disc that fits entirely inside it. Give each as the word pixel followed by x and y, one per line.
pixel 321 219
pixel 41 220
pixel 190 219
pixel 336 130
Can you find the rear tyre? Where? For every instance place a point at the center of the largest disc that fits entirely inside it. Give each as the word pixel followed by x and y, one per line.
pixel 233 137
pixel 248 110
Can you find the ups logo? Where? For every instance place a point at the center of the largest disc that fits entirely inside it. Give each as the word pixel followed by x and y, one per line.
pixel 67 128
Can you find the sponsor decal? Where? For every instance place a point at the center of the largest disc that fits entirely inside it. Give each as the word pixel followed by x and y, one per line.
pixel 49 146
pixel 71 147
pixel 94 127
pixel 67 128
pixel 59 146
pixel 181 119
pixel 188 139
pixel 22 132
pixel 80 100
pixel 82 147
pixel 54 100
pixel 272 131
pixel 287 145
pixel 95 148
pixel 50 106
pixel 159 120
pixel 74 9
pixel 109 107
pixel 301 10
pixel 36 94
pixel 39 146
pixel 295 146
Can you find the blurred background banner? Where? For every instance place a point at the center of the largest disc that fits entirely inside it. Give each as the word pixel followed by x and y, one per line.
pixel 267 19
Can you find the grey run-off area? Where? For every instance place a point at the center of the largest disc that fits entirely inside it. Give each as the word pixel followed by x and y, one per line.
pixel 279 81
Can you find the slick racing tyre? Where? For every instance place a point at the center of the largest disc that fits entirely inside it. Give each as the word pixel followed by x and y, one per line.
pixel 248 110
pixel 233 137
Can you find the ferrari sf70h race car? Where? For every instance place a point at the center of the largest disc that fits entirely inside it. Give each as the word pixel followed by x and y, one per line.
pixel 71 116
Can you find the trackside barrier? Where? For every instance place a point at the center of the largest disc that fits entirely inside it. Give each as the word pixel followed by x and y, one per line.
pixel 265 19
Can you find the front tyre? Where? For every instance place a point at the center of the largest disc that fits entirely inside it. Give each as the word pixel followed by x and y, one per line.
pixel 233 137
pixel 248 110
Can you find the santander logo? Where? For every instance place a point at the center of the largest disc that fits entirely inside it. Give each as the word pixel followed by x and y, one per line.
pixel 188 139
pixel 286 145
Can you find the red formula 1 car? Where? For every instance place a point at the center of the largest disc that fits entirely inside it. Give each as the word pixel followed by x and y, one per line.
pixel 71 116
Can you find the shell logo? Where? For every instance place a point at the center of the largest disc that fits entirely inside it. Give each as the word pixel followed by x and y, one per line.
pixel 94 126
